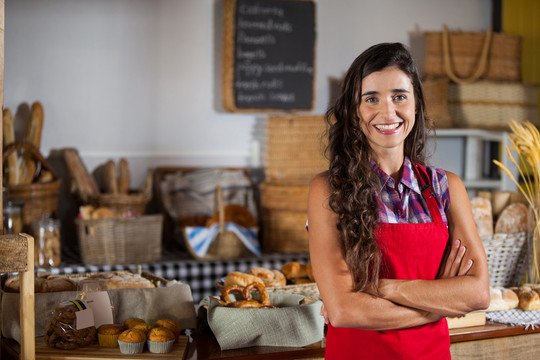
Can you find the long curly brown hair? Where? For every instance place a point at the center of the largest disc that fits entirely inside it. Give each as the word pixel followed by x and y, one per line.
pixel 351 179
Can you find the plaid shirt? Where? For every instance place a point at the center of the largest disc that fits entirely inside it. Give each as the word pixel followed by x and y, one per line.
pixel 406 205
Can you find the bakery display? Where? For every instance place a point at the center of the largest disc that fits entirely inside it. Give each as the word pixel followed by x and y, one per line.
pixel 46 282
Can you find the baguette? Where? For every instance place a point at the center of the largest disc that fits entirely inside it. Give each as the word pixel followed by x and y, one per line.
pixel 8 129
pixel 123 176
pixel 35 127
pixel 513 219
pixel 83 181
pixel 109 178
pixel 33 136
pixel 483 215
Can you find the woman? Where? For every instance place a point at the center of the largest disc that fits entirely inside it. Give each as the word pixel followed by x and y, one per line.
pixel 379 224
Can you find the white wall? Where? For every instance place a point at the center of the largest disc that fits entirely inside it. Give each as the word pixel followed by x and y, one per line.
pixel 140 78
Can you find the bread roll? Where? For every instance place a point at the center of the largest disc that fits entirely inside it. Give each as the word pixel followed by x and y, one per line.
pixel 502 299
pixel 294 269
pixel 529 300
pixel 513 219
pixel 483 216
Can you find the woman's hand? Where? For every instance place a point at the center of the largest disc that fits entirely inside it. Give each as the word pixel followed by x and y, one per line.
pixel 454 264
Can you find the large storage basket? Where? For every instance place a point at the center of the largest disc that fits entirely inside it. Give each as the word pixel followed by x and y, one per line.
pixel 295 152
pixel 284 215
pixel 39 198
pixel 115 241
pixel 506 257
pixel 492 104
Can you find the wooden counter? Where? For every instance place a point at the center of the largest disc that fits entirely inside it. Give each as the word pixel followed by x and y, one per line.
pixel 491 341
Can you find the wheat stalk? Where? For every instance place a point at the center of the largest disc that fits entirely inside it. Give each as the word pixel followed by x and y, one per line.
pixel 525 140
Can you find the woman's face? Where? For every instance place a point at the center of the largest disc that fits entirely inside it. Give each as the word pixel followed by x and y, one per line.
pixel 387 109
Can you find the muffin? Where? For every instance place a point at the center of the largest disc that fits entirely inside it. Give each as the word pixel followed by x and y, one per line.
pixel 108 334
pixel 143 326
pixel 169 324
pixel 131 341
pixel 160 340
pixel 130 322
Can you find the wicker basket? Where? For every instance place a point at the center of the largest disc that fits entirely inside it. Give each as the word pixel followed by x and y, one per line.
pixel 39 198
pixel 492 104
pixel 121 203
pixel 116 241
pixel 283 220
pixel 294 150
pixel 502 60
pixel 506 257
pixel 436 98
pixel 226 245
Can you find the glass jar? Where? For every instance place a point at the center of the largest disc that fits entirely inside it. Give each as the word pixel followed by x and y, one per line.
pixel 47 244
pixel 12 216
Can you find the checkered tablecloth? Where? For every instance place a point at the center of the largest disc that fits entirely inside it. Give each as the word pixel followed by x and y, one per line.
pixel 200 275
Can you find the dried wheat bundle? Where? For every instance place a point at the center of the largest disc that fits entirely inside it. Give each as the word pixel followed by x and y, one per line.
pixel 525 140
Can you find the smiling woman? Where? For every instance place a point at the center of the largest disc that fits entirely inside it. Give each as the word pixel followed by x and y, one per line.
pixel 391 254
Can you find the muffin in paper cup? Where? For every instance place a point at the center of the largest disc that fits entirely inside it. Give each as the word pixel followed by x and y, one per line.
pixel 160 347
pixel 106 340
pixel 131 348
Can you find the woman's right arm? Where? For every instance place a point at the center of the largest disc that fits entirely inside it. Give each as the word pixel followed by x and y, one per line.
pixel 345 308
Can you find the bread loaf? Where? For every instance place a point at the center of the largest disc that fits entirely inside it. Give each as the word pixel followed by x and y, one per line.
pixel 110 185
pixel 12 168
pixel 482 215
pixel 513 219
pixel 529 300
pixel 84 182
pixel 502 299
pixel 123 176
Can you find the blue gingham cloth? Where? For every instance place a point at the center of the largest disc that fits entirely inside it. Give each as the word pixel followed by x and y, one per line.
pixel 200 238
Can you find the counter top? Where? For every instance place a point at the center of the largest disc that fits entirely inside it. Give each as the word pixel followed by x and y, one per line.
pixel 203 346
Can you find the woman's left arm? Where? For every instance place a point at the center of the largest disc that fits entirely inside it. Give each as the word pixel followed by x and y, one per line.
pixel 454 295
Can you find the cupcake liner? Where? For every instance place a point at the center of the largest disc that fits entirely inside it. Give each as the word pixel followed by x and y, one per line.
pixel 108 340
pixel 131 348
pixel 160 347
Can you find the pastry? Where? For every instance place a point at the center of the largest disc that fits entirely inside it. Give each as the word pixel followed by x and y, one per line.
pixel 241 279
pixel 482 215
pixel 131 341
pixel 294 269
pixel 144 327
pixel 237 214
pixel 108 334
pixel 271 278
pixel 61 330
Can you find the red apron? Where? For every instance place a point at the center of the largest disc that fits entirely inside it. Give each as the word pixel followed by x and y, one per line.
pixel 409 251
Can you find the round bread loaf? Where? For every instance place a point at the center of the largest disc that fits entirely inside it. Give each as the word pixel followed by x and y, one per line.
pixel 513 219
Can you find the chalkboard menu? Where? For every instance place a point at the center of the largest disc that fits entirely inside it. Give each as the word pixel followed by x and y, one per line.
pixel 268 55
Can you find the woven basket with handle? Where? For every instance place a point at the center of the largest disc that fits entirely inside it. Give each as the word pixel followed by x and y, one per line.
pixel 506 257
pixel 226 244
pixel 39 198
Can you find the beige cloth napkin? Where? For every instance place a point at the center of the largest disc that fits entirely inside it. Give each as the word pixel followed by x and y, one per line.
pixel 174 302
pixel 290 324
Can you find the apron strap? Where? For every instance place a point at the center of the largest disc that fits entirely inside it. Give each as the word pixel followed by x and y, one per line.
pixel 427 192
